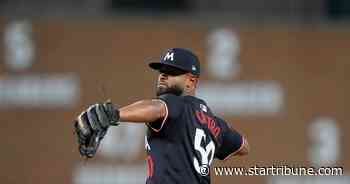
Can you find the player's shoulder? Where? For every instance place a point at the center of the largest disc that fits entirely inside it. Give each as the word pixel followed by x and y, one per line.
pixel 174 103
pixel 194 100
pixel 183 99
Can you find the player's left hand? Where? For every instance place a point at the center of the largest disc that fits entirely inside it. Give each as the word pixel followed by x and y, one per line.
pixel 92 125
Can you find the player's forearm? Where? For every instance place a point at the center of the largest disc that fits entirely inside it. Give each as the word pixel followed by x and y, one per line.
pixel 142 111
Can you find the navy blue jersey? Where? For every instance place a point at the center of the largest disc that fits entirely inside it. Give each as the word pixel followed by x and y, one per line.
pixel 181 147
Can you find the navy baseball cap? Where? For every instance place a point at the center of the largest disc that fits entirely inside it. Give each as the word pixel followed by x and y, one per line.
pixel 179 59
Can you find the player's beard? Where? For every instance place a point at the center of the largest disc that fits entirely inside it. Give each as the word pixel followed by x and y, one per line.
pixel 176 90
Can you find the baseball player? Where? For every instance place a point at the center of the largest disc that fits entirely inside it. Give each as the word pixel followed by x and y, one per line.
pixel 183 134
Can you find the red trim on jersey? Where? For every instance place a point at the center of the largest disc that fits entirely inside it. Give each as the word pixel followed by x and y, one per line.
pixel 150 166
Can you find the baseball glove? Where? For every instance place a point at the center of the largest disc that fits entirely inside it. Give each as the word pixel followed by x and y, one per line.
pixel 92 125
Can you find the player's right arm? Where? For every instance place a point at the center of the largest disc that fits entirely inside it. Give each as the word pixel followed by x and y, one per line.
pixel 164 107
pixel 143 111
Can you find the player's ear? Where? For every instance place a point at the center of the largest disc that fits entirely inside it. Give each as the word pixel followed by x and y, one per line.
pixel 192 81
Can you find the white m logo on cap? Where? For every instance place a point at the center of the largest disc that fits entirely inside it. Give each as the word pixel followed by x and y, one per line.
pixel 169 55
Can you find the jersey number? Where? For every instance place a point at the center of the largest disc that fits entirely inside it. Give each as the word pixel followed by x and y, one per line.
pixel 206 153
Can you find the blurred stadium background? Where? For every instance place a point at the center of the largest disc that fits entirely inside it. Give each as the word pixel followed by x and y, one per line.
pixel 277 70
